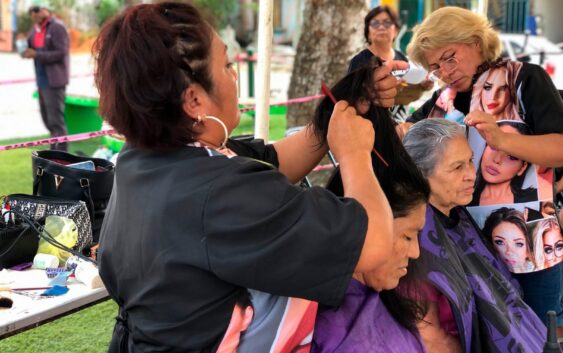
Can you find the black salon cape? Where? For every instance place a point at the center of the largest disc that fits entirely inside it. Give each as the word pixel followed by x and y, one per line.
pixel 186 233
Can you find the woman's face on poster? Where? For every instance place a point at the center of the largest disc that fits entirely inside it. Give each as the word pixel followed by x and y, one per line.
pixel 552 246
pixel 511 244
pixel 497 166
pixel 495 95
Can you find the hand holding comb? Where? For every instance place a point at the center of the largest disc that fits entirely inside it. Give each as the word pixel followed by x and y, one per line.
pixel 326 91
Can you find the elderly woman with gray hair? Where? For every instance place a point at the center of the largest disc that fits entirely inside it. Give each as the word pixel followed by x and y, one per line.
pixel 463 58
pixel 473 306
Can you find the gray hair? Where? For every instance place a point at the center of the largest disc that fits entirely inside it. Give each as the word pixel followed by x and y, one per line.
pixel 425 141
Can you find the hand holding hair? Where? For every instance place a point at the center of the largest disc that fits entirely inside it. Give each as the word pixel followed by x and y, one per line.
pixel 487 127
pixel 349 133
pixel 386 84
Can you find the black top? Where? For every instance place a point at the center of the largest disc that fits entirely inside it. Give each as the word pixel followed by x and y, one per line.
pixel 365 55
pixel 187 231
pixel 542 104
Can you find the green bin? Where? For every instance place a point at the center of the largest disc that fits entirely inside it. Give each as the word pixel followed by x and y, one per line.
pixel 81 114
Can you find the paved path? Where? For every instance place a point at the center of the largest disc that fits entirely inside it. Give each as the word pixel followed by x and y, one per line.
pixel 19 111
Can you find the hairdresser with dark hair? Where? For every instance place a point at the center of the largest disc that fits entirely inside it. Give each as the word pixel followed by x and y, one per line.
pixel 373 316
pixel 193 223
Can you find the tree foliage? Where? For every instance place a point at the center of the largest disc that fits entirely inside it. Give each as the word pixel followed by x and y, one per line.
pixel 221 11
pixel 106 9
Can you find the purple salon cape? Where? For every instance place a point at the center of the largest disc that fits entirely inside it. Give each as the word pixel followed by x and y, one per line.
pixel 362 324
pixel 488 309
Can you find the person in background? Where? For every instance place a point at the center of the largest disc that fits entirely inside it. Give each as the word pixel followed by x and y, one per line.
pixel 458 58
pixel 197 222
pixel 48 46
pixel 506 229
pixel 381 26
pixel 472 304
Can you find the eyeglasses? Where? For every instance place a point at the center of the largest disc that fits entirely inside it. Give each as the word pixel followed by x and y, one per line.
pixel 556 250
pixel 375 24
pixel 447 65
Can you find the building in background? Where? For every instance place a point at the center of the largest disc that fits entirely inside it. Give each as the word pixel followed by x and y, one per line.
pixel 7 24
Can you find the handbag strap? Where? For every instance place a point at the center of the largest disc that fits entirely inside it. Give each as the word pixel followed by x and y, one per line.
pixel 85 185
pixel 37 180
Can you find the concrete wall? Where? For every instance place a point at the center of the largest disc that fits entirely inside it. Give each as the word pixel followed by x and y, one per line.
pixel 6 25
pixel 550 12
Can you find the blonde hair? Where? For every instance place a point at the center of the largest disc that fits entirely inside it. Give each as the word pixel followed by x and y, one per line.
pixel 453 25
pixel 542 227
pixel 510 72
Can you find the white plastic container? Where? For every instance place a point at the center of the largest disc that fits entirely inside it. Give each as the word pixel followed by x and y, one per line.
pixel 42 261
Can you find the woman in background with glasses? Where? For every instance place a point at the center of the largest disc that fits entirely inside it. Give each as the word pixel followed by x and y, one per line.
pixel 458 46
pixel 381 26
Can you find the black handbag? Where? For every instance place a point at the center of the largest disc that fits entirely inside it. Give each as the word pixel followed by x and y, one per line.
pixel 18 243
pixel 37 208
pixel 53 177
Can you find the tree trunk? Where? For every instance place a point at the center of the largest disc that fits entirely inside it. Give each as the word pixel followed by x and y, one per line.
pixel 331 33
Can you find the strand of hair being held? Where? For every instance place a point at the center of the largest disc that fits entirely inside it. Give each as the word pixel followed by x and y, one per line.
pixel 326 91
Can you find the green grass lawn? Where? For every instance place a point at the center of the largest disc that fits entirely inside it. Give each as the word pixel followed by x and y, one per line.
pixel 88 330
pixel 278 125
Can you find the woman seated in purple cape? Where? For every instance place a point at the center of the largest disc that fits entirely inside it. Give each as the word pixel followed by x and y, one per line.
pixel 373 317
pixel 473 305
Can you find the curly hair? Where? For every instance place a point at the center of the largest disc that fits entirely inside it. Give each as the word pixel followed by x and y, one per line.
pixel 453 25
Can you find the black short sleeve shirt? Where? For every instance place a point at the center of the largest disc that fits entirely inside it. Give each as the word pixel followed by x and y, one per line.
pixel 187 232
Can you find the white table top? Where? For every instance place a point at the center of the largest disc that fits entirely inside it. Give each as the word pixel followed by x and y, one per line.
pixel 28 312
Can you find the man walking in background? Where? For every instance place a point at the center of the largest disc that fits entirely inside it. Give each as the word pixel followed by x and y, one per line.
pixel 48 43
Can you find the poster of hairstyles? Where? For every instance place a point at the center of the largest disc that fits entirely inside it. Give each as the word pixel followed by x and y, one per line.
pixel 494 92
pixel 513 205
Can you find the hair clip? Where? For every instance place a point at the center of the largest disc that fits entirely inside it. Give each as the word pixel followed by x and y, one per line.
pixel 326 91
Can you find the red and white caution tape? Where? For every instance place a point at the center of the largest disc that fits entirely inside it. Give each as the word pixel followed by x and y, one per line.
pixel 90 135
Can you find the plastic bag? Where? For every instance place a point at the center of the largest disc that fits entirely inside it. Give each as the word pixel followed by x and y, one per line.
pixel 64 231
